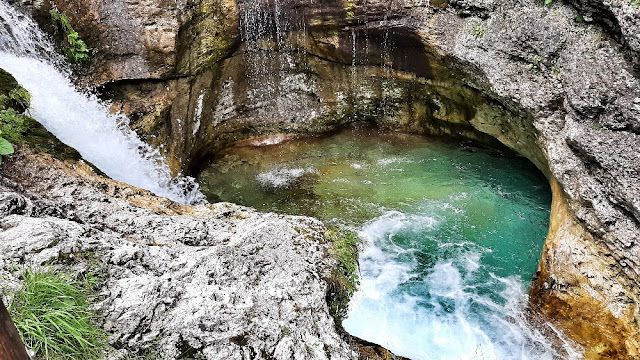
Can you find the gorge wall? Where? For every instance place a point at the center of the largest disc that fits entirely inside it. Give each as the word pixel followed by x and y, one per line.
pixel 557 83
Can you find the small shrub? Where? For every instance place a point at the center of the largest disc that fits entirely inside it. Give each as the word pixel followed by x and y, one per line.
pixel 17 97
pixel 14 125
pixel 52 314
pixel 76 49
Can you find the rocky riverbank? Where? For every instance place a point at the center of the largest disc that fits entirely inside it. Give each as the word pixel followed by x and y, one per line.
pixel 222 281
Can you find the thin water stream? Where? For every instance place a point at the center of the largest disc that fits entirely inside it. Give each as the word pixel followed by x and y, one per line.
pixel 454 234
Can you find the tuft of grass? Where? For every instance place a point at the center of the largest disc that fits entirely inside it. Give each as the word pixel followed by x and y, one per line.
pixel 345 279
pixel 52 315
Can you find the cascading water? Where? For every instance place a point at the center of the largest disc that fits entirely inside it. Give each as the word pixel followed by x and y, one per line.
pixel 80 120
pixel 270 53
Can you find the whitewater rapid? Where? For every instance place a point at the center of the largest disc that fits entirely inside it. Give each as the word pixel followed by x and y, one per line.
pixel 80 120
pixel 447 314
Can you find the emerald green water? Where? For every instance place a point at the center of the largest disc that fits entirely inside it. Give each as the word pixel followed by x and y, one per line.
pixel 454 234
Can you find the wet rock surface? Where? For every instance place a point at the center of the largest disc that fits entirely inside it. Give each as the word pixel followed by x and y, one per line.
pixel 221 281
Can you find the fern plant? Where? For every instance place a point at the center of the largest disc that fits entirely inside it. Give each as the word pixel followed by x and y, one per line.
pixel 76 49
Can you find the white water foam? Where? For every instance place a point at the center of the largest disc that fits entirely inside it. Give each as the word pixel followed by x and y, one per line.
pixel 442 315
pixel 19 34
pixel 282 178
pixel 393 160
pixel 80 120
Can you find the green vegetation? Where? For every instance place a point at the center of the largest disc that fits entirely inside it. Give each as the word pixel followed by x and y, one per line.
pixel 12 95
pixel 16 97
pixel 52 314
pixel 14 100
pixel 13 125
pixel 5 148
pixel 349 8
pixel 345 279
pixel 535 66
pixel 75 50
pixel 478 31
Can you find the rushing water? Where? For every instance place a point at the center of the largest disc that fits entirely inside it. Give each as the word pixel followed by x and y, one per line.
pixel 78 119
pixel 454 234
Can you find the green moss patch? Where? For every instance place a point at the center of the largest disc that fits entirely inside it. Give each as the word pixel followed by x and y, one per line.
pixel 215 33
pixel 345 278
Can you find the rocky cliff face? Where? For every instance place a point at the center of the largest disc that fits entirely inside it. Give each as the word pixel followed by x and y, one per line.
pixel 558 83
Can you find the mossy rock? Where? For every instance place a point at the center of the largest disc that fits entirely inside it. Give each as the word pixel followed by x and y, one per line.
pixel 7 82
pixel 12 95
pixel 41 140
pixel 213 35
pixel 345 278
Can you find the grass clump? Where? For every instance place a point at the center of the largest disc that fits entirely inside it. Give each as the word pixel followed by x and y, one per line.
pixel 345 279
pixel 76 50
pixel 51 313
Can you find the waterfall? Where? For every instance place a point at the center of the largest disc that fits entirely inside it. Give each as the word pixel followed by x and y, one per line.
pixel 80 120
pixel 19 34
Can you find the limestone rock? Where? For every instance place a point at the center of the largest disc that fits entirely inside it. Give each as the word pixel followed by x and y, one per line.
pixel 222 281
